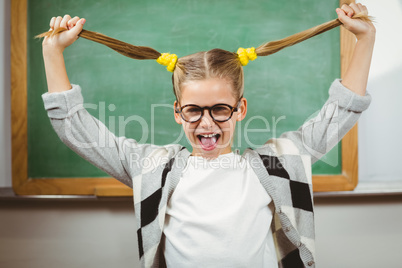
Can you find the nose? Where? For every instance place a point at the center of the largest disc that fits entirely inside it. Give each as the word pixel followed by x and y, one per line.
pixel 206 120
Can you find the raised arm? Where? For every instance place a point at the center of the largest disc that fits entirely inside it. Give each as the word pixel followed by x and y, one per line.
pixel 357 72
pixel 120 157
pixel 347 97
pixel 80 131
pixel 53 47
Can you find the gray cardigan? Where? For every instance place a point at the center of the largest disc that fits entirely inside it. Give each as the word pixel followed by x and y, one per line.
pixel 283 166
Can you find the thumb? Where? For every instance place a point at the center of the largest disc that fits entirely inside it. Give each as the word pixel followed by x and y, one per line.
pixel 343 17
pixel 78 27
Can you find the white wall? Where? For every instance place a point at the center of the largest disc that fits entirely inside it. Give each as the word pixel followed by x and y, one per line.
pixel 358 232
pixel 351 232
pixel 5 121
pixel 68 234
pixel 380 128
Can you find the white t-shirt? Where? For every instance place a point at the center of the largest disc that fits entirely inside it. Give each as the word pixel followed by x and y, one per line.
pixel 218 216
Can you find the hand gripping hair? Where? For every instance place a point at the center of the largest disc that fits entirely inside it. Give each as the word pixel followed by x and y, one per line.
pixel 207 64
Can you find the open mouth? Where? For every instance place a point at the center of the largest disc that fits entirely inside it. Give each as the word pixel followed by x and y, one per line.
pixel 208 141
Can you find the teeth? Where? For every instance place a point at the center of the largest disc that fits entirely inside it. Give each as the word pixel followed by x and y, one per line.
pixel 209 135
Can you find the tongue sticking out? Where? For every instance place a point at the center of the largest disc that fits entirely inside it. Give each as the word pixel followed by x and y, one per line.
pixel 208 143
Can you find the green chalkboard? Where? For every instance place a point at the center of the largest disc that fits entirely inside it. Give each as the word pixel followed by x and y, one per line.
pixel 283 90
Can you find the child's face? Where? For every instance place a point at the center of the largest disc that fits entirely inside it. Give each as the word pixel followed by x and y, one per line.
pixel 203 93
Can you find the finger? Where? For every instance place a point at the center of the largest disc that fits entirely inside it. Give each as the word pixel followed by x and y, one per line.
pixel 348 10
pixel 78 27
pixel 51 24
pixel 355 8
pixel 57 22
pixel 63 23
pixel 364 10
pixel 71 23
pixel 342 16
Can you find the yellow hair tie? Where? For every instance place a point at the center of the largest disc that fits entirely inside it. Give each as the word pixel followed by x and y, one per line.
pixel 169 60
pixel 246 54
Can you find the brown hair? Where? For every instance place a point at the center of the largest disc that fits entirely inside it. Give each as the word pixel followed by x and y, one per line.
pixel 215 63
pixel 207 64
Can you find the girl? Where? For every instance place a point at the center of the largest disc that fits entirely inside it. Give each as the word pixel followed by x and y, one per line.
pixel 211 207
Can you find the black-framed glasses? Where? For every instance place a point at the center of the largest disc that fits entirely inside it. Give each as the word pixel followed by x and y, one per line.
pixel 220 112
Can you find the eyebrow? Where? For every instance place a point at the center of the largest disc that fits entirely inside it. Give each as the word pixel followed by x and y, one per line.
pixel 207 105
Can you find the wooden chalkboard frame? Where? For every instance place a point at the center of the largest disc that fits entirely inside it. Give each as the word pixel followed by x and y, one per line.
pixel 23 185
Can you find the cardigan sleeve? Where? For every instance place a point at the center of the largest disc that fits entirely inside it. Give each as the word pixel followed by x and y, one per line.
pixel 120 157
pixel 319 135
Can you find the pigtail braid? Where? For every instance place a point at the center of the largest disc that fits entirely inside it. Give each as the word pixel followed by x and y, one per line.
pixel 275 46
pixel 128 50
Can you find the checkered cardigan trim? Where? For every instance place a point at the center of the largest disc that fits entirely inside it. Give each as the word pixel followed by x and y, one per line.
pixel 293 222
pixel 150 205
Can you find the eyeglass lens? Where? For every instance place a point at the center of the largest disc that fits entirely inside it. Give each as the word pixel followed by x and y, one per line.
pixel 194 113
